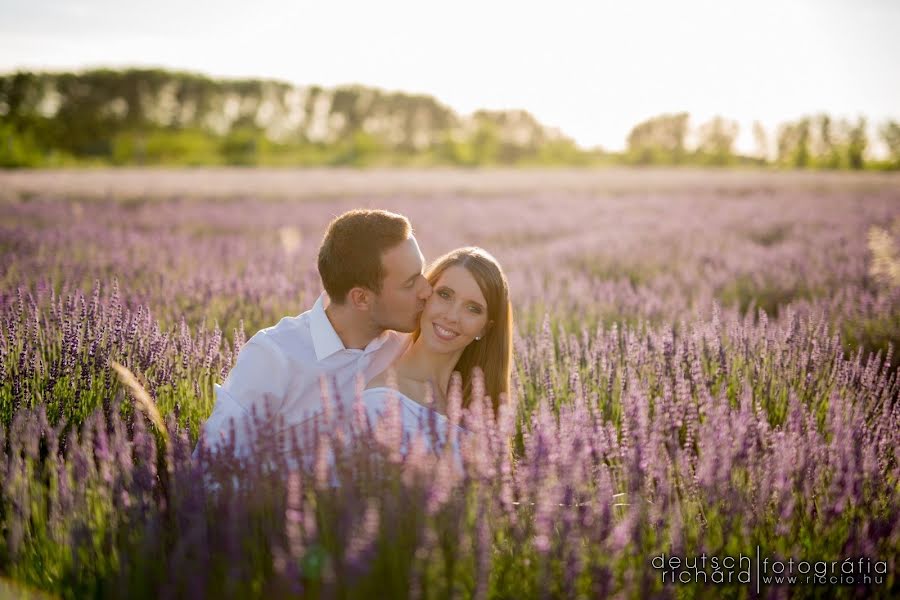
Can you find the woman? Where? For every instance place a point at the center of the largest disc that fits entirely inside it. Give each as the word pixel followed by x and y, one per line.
pixel 466 325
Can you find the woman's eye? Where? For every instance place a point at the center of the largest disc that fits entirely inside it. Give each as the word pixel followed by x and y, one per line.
pixel 475 310
pixel 444 294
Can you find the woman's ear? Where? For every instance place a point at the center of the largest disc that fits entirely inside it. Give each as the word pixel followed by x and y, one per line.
pixel 485 329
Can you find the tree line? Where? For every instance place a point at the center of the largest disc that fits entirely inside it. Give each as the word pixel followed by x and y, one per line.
pixel 817 141
pixel 160 117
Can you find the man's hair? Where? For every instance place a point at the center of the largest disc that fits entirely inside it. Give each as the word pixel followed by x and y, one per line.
pixel 350 254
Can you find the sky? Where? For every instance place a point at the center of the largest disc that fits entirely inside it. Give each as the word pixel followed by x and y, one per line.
pixel 592 69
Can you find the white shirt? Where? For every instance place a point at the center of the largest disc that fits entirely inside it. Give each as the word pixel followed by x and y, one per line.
pixel 286 366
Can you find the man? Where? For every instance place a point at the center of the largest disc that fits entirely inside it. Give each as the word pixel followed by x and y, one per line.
pixel 372 271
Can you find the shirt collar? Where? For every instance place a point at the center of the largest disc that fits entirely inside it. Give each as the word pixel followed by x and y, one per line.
pixel 325 339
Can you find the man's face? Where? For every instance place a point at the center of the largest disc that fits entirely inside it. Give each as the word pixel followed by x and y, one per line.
pixel 404 289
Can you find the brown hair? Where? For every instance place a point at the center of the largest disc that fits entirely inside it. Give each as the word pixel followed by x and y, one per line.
pixel 493 352
pixel 350 254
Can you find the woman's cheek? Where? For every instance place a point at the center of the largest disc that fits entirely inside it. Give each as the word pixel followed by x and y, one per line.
pixel 430 307
pixel 475 324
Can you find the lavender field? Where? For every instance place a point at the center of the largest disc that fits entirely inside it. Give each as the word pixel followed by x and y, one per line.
pixel 705 365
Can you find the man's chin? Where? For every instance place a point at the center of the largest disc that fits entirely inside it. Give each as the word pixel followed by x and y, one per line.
pixel 410 328
pixel 407 328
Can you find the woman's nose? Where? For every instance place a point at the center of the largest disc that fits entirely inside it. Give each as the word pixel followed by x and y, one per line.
pixel 452 314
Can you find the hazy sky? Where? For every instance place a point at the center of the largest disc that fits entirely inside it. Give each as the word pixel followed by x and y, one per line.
pixel 591 68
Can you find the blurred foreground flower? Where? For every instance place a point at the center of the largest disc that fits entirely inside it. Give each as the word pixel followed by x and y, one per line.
pixel 885 257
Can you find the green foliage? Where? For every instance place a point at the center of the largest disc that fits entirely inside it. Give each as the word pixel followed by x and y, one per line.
pixel 822 142
pixel 562 152
pixel 18 149
pixel 716 144
pixel 879 335
pixel 243 146
pixel 659 140
pixel 485 144
pixel 165 147
pixel 361 150
pixel 159 117
pixel 746 293
pixel 890 134
pixel 455 151
pixel 772 235
pixel 793 144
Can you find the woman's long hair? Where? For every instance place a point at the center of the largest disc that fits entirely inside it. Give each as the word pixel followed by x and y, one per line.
pixel 493 352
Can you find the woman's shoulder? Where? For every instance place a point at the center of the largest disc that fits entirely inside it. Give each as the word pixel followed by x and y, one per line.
pixel 376 397
pixel 381 386
pixel 379 392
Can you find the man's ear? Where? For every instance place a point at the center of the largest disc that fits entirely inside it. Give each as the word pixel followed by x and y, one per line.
pixel 360 298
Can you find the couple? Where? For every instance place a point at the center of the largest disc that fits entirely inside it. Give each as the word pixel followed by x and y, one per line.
pixel 381 310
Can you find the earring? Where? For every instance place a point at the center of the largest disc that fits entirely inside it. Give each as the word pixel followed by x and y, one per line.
pixel 477 337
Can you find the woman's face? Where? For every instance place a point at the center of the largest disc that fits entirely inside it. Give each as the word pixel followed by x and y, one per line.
pixel 455 313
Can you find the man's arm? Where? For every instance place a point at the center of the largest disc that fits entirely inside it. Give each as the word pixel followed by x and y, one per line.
pixel 260 375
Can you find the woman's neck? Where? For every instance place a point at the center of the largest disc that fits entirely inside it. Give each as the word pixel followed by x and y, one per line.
pixel 423 365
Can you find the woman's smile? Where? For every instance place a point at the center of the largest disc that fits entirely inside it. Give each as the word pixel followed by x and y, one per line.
pixel 444 333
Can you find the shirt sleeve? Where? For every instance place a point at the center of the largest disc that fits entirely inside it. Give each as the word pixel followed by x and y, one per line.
pixel 260 375
pixel 216 430
pixel 258 379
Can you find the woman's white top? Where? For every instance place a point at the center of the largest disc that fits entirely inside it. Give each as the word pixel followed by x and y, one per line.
pixel 414 417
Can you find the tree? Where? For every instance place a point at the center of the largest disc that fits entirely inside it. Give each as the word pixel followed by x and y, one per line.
pixel 827 140
pixel 856 144
pixel 659 140
pixel 793 143
pixel 486 143
pixel 890 135
pixel 716 141
pixel 762 141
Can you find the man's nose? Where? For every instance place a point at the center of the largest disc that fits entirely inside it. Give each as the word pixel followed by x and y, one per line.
pixel 425 293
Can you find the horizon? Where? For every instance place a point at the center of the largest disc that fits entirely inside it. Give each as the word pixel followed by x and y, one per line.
pixel 702 58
